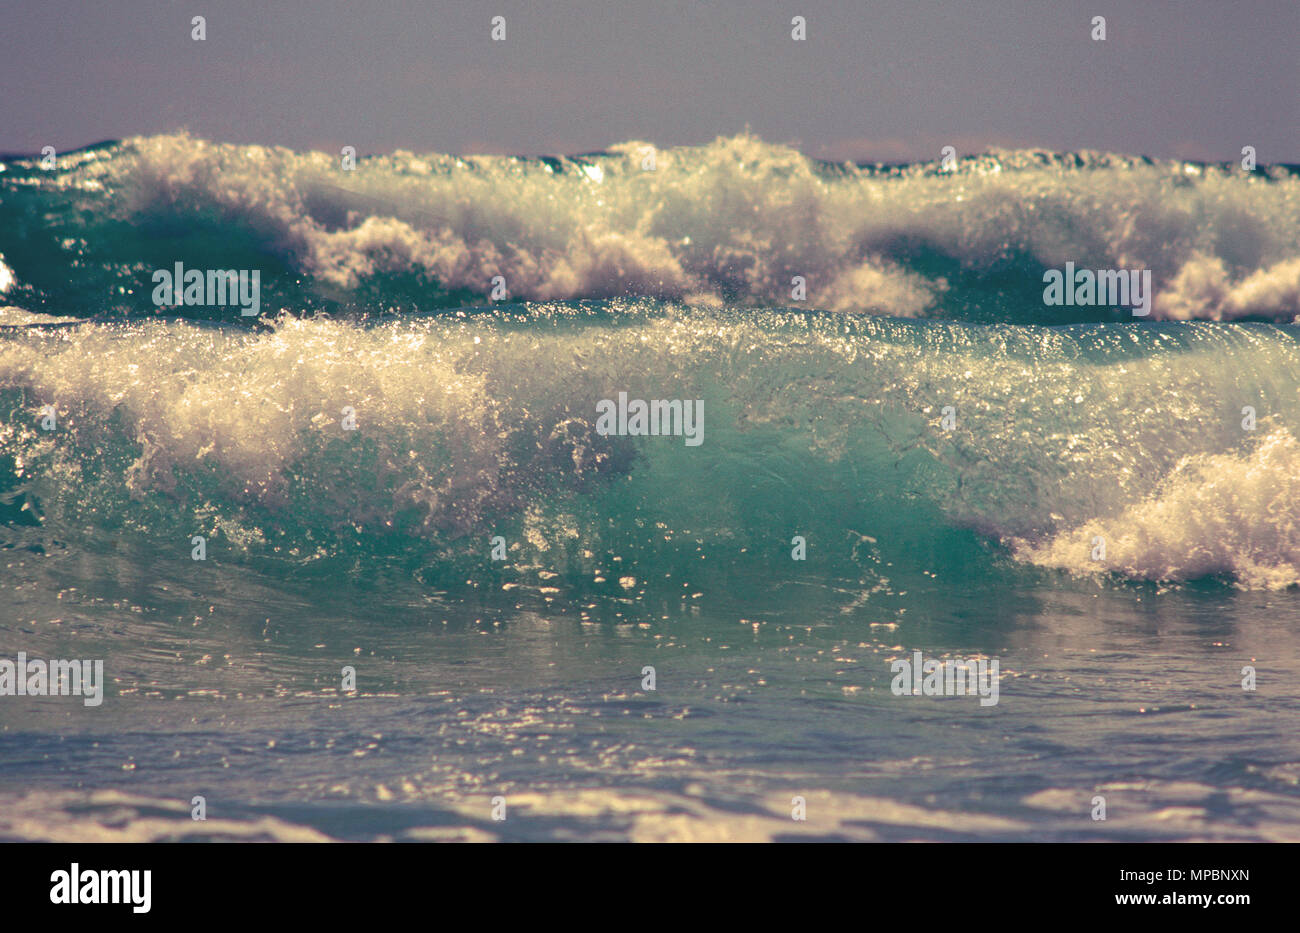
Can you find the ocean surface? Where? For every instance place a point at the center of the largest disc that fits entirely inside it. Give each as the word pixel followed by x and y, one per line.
pixel 394 471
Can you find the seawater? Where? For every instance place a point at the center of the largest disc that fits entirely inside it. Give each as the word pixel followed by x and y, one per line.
pixel 393 475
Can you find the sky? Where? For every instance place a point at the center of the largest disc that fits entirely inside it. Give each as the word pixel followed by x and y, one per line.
pixel 875 80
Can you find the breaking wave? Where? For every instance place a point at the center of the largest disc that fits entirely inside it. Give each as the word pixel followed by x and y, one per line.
pixel 732 222
pixel 822 425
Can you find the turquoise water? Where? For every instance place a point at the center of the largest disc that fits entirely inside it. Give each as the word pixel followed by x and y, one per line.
pixel 475 431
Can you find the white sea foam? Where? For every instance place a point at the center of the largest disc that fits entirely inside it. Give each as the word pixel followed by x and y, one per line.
pixel 1234 515
pixel 259 419
pixel 1205 290
pixel 737 218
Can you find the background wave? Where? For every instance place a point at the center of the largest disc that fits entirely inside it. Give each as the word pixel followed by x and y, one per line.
pixel 730 222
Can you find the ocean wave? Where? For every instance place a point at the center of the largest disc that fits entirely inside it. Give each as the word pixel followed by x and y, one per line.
pixel 830 427
pixel 734 221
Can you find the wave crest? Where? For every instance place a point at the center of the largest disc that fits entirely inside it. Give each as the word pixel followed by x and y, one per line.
pixel 733 221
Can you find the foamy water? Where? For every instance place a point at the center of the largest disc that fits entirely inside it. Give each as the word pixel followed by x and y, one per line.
pixel 736 220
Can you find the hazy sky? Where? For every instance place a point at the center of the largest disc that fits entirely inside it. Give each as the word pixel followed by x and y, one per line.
pixel 876 79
